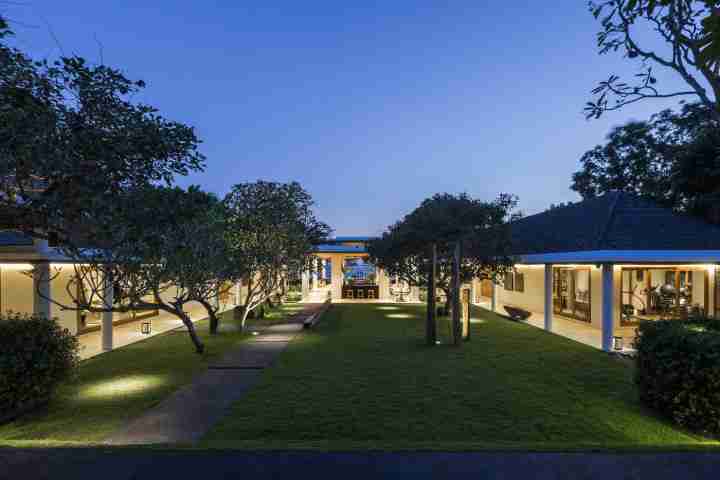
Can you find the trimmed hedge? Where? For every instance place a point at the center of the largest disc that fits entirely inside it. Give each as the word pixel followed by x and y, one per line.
pixel 678 371
pixel 36 355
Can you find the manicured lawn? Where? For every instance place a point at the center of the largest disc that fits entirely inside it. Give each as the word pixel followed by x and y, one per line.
pixel 116 387
pixel 363 379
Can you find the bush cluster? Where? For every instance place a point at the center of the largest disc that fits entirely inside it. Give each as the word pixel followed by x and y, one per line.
pixel 678 371
pixel 37 354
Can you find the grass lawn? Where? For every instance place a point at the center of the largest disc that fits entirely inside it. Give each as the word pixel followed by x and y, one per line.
pixel 115 387
pixel 363 379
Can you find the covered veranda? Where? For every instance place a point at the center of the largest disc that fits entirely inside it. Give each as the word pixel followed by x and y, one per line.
pixel 564 327
pixel 343 273
pixel 131 332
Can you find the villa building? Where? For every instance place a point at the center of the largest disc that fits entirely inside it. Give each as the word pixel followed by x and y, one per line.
pixel 592 270
pixel 588 271
pixel 21 292
pixel 345 275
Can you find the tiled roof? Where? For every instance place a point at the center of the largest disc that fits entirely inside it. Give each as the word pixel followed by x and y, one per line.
pixel 615 221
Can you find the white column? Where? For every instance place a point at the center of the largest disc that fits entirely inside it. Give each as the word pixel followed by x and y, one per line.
pixel 337 278
pixel 107 317
pixel 414 296
pixel 710 307
pixel 305 285
pixel 41 290
pixel 493 297
pixel 548 296
pixel 608 290
pixel 383 285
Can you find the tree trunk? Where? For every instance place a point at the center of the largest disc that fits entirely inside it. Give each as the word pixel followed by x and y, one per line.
pixel 199 347
pixel 246 312
pixel 457 327
pixel 447 307
pixel 212 315
pixel 431 326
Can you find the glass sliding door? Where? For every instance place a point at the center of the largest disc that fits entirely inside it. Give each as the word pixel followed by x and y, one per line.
pixel 571 293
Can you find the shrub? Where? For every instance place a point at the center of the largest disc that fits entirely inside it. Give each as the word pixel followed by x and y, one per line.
pixel 37 354
pixel 678 371
pixel 293 297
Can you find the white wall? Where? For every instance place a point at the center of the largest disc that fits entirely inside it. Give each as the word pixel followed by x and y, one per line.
pixel 532 298
pixel 16 292
pixel 699 287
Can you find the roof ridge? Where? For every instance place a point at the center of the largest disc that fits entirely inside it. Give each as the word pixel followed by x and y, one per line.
pixel 611 215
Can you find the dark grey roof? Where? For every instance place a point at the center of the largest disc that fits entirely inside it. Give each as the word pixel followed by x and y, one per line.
pixel 11 238
pixel 615 221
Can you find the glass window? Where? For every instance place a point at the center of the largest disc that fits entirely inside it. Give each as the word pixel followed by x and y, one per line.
pixel 519 282
pixel 571 293
pixel 662 292
pixel 508 281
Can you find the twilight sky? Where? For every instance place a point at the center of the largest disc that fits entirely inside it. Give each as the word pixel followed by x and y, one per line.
pixel 371 106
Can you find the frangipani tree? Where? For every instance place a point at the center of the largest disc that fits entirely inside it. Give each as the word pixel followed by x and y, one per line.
pixel 167 250
pixel 425 241
pixel 79 165
pixel 271 231
pixel 678 36
pixel 72 140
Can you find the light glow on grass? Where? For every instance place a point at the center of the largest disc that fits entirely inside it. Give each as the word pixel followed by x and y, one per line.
pixel 399 315
pixel 387 307
pixel 123 386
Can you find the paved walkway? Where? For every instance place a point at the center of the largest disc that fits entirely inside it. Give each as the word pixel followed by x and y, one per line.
pixel 190 412
pixel 126 464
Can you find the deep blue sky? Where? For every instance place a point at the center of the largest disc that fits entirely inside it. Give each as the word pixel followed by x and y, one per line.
pixel 372 106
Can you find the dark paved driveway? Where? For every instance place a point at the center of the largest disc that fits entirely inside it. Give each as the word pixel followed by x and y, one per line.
pixel 107 464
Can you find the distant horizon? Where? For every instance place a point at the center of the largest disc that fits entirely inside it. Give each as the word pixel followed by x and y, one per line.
pixel 372 108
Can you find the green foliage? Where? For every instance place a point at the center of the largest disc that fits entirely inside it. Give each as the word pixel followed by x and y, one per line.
pixel 678 371
pixel 673 159
pixel 37 355
pixel 696 176
pixel 293 297
pixel 404 248
pixel 114 388
pixel 271 231
pixel 72 141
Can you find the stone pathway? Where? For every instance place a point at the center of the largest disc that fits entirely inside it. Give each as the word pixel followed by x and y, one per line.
pixel 189 413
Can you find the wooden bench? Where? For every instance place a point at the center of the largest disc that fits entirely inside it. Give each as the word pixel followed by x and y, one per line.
pixel 517 314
